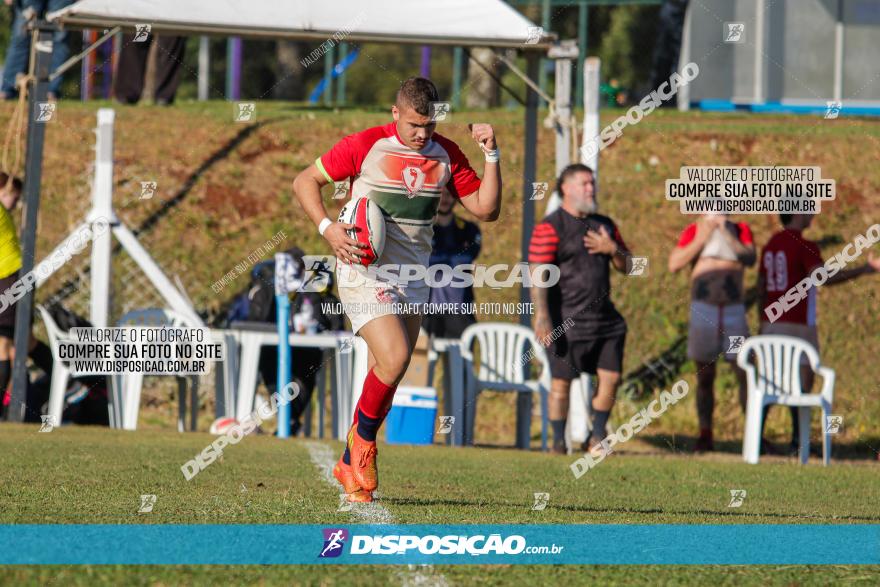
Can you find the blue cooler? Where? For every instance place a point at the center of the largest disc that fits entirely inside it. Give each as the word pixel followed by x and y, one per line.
pixel 412 416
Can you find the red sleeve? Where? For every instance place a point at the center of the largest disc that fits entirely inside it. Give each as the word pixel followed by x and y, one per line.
pixel 463 180
pixel 617 237
pixel 745 234
pixel 687 235
pixel 544 243
pixel 345 158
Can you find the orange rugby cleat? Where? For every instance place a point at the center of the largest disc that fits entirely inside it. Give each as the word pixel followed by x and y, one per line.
pixel 363 460
pixel 353 491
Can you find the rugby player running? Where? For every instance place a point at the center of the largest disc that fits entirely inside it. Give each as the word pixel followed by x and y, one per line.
pixel 402 166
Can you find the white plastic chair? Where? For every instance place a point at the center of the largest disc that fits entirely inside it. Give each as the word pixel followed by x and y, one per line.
pixel 503 367
pixel 775 378
pixel 62 372
pixel 129 385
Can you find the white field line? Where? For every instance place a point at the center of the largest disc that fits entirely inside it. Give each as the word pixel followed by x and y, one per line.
pixel 373 513
pixel 325 460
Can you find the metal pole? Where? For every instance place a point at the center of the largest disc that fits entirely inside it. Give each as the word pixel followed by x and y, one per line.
pixel 340 79
pixel 107 68
pixel 758 83
pixel 204 67
pixel 839 40
pixel 425 69
pixel 233 68
pixel 545 24
pixel 118 41
pixel 563 114
pixel 583 21
pixel 683 97
pixel 591 74
pixel 530 147
pixel 457 55
pixel 282 305
pixel 85 68
pixel 42 59
pixel 564 55
pixel 102 211
pixel 328 77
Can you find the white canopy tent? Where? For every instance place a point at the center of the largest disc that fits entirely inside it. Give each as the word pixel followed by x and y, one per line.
pixel 485 23
pixel 477 23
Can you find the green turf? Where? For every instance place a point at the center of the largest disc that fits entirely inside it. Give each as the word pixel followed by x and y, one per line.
pixel 357 575
pixel 97 475
pixel 93 475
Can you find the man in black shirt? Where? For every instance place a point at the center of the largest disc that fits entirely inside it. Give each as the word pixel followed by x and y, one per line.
pixel 576 319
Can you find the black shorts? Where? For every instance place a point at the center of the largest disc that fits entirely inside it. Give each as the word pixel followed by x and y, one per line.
pixel 568 359
pixel 7 316
pixel 447 325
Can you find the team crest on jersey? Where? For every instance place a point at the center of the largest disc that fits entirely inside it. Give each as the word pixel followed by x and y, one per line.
pixel 413 179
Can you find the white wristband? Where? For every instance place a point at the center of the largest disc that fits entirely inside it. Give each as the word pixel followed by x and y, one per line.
pixel 493 156
pixel 323 226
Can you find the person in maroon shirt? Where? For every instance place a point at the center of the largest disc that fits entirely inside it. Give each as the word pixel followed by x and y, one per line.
pixel 589 332
pixel 786 259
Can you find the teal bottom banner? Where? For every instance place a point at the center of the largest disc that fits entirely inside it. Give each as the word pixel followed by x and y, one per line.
pixel 201 544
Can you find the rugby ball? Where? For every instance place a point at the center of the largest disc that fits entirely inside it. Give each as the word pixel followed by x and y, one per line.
pixel 221 425
pixel 366 215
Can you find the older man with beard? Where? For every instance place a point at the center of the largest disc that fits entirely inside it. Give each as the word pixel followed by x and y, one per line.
pixel 590 332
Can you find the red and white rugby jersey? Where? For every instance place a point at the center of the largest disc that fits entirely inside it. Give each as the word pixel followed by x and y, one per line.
pixel 785 260
pixel 404 182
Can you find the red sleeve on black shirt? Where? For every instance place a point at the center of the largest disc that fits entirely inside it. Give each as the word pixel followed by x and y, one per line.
pixel 544 243
pixel 618 237
pixel 745 233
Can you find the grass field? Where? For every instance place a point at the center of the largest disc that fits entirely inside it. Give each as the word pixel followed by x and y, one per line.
pixel 89 475
pixel 225 188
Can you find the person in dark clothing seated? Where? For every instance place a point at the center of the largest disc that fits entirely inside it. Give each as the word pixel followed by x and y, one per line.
pixel 456 242
pixel 307 315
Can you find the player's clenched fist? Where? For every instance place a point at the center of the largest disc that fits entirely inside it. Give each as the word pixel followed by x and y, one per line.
pixel 484 134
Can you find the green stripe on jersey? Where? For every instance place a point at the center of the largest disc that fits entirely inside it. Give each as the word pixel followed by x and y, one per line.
pixel 398 206
pixel 393 189
pixel 320 167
